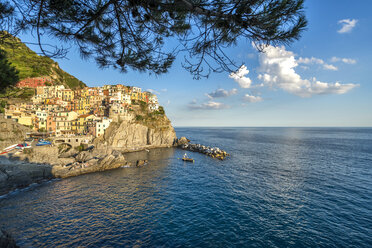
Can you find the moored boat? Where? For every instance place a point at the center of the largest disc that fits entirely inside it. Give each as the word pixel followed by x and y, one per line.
pixel 188 159
pixel 43 143
pixel 8 149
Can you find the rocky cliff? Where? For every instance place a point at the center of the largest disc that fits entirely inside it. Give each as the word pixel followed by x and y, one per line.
pixel 132 135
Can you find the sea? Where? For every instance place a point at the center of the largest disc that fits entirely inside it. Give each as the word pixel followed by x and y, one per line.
pixel 281 187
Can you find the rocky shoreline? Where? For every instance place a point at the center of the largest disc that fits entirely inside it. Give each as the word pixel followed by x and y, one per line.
pixel 38 164
pixel 213 152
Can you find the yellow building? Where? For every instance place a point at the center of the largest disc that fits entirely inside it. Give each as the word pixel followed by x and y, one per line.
pixel 25 120
pixel 67 95
pixel 134 96
pixel 79 125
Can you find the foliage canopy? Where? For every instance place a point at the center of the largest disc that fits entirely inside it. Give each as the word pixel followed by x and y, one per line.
pixel 136 33
pixel 8 73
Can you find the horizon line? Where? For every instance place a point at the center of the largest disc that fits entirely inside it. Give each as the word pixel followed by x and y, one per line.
pixel 274 126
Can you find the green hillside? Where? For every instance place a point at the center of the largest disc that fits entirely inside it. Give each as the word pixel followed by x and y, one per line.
pixel 30 64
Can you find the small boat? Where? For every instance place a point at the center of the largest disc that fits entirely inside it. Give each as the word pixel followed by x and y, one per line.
pixel 43 143
pixel 9 148
pixel 188 160
pixel 23 146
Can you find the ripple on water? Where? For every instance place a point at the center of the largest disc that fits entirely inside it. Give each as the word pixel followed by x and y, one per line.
pixel 280 188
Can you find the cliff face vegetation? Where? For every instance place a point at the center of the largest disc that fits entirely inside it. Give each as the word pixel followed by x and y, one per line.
pixel 29 64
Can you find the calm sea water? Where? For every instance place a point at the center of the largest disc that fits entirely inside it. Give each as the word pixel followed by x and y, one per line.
pixel 281 187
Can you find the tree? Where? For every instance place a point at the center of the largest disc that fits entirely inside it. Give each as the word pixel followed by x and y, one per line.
pixel 8 73
pixel 136 34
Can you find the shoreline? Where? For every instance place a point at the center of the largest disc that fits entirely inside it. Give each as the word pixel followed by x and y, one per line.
pixel 20 171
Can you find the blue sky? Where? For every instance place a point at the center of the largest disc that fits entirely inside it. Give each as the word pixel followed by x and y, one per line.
pixel 321 80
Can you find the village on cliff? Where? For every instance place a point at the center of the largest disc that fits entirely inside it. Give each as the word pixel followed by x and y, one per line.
pixel 56 111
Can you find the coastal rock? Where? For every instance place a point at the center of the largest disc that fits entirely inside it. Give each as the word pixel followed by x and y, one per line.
pixel 84 156
pixel 38 155
pixel 14 175
pixel 128 136
pixel 111 161
pixel 141 162
pixel 182 141
pixel 6 241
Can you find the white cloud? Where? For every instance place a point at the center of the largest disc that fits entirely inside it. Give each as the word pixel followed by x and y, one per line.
pixel 210 105
pixel 164 90
pixel 347 25
pixel 277 67
pixel 240 77
pixel 330 67
pixel 251 98
pixel 344 60
pixel 221 93
pixel 311 60
pixel 314 60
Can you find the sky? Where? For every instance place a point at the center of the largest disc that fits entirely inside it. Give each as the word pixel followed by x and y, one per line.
pixel 323 79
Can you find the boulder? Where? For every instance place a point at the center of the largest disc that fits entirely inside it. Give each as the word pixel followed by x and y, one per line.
pixel 182 141
pixel 141 162
pixel 84 156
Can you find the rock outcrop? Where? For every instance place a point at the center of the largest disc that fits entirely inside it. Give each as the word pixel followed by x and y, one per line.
pixel 129 136
pixel 18 174
pixel 87 162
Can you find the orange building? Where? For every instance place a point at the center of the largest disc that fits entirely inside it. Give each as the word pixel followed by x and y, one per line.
pixel 34 82
pixel 51 124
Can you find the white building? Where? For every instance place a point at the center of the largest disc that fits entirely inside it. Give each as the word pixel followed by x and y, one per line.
pixel 102 125
pixel 153 102
pixel 136 89
pixel 126 99
pixel 41 114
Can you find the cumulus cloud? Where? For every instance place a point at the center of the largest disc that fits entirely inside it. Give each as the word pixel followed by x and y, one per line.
pixel 330 67
pixel 344 60
pixel 313 60
pixel 347 25
pixel 210 105
pixel 251 98
pixel 240 77
pixel 221 93
pixel 277 67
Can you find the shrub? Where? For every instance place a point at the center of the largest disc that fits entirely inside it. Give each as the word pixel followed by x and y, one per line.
pixel 161 110
pixel 139 117
pixel 79 148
